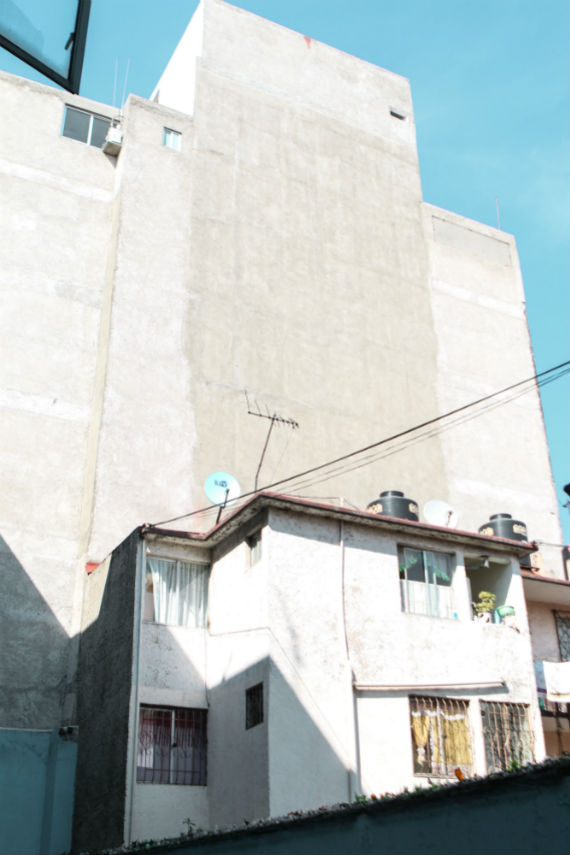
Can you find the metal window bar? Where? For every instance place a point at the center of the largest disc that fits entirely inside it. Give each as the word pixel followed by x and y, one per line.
pixel 441 736
pixel 254 706
pixel 508 738
pixel 563 630
pixel 172 746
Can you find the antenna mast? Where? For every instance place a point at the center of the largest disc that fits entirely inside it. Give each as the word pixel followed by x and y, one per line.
pixel 272 419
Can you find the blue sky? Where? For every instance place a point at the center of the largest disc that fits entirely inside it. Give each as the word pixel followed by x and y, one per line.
pixel 490 83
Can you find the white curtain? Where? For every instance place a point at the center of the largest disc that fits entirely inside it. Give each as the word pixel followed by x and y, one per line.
pixel 180 592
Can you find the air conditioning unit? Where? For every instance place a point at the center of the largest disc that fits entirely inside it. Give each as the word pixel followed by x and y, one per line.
pixel 113 141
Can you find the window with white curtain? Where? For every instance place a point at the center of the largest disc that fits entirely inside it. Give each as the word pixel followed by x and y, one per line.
pixel 176 592
pixel 425 583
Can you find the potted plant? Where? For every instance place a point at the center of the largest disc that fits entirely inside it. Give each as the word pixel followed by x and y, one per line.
pixel 485 606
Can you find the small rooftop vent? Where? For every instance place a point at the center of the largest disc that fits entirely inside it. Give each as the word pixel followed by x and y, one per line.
pixel 393 503
pixel 503 525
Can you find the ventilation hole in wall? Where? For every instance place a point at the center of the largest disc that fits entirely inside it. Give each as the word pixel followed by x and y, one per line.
pixel 397 115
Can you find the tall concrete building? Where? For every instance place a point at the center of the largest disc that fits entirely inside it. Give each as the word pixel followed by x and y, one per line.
pixel 258 225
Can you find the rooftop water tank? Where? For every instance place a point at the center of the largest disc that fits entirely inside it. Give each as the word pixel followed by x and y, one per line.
pixel 393 503
pixel 503 525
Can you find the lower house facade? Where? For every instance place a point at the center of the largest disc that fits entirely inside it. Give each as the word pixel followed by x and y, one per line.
pixel 296 655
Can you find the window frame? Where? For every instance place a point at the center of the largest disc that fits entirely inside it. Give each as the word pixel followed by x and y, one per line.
pixel 433 608
pixel 254 543
pixel 170 134
pixel 155 773
pixel 92 116
pixel 449 709
pixel 254 706
pixel 148 593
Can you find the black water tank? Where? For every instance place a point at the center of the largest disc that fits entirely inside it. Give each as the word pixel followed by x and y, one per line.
pixel 393 503
pixel 503 525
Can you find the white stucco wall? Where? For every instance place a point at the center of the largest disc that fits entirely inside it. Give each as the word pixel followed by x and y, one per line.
pixel 387 648
pixel 159 810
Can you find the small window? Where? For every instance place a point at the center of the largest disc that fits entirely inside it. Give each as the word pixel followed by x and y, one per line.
pixel 440 736
pixel 176 592
pixel 172 746
pixel 85 127
pixel 254 547
pixel 254 706
pixel 508 742
pixel 172 139
pixel 396 115
pixel 425 583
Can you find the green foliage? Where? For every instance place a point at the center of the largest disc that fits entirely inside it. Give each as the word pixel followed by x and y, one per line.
pixel 486 602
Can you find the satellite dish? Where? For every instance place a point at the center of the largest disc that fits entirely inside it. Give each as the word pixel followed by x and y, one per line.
pixel 440 513
pixel 221 487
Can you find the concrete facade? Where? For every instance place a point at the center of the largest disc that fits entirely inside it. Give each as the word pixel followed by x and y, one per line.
pixel 285 249
pixel 318 621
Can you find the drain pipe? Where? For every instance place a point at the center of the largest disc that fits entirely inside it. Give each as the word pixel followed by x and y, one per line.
pixel 134 699
pixel 352 732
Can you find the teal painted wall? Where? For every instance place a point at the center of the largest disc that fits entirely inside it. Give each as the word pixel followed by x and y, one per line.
pixel 524 814
pixel 36 791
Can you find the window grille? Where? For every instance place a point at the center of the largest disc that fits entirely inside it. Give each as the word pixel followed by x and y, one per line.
pixel 425 583
pixel 440 736
pixel 563 629
pixel 508 738
pixel 172 747
pixel 254 706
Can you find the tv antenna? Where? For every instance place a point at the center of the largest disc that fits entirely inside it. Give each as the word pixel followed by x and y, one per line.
pixel 273 418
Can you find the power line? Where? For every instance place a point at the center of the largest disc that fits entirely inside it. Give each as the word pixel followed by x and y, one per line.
pixel 562 368
pixel 409 441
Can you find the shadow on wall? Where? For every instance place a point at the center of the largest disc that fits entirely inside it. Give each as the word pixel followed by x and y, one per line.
pixel 35 651
pixel 37 759
pixel 283 763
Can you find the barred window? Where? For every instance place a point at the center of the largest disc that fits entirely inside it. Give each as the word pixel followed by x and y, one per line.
pixel 172 746
pixel 508 738
pixel 440 736
pixel 254 706
pixel 563 630
pixel 425 583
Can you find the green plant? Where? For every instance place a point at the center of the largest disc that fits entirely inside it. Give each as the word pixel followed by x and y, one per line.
pixel 190 827
pixel 485 603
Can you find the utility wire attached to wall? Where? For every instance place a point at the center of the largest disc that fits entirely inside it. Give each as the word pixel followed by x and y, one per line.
pixel 540 379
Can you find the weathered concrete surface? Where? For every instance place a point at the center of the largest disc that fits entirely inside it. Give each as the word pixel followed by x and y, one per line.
pixel 286 250
pixel 105 677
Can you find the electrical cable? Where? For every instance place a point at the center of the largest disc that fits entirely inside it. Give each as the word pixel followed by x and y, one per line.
pixel 562 368
pixel 380 455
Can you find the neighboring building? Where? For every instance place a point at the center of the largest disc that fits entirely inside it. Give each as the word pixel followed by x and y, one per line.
pixel 548 603
pixel 292 657
pixel 259 225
